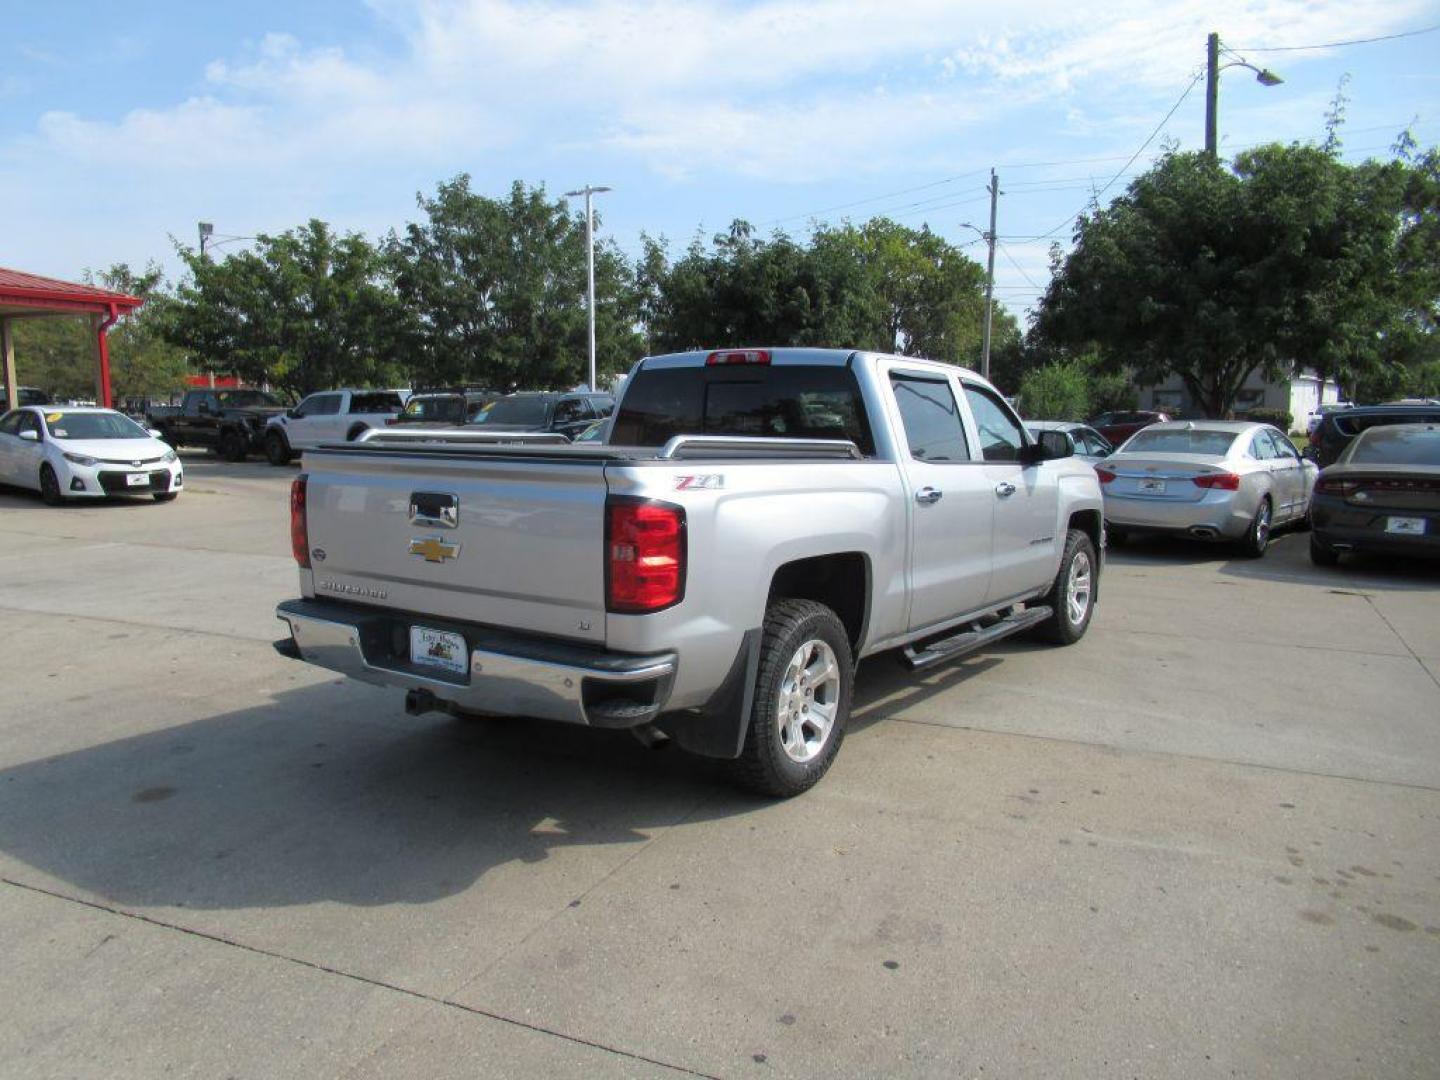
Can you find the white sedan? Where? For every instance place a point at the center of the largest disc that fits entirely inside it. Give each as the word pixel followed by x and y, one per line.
pixel 74 453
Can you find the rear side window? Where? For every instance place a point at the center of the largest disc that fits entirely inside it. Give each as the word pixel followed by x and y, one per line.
pixel 375 403
pixel 931 417
pixel 769 402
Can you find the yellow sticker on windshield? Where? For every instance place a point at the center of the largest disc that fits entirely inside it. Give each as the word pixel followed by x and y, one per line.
pixel 54 417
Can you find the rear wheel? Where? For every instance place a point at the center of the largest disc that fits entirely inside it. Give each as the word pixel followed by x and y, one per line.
pixel 1321 554
pixel 1072 596
pixel 277 450
pixel 231 446
pixel 1257 537
pixel 802 700
pixel 50 487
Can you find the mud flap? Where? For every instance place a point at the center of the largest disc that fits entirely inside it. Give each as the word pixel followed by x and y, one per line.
pixel 718 728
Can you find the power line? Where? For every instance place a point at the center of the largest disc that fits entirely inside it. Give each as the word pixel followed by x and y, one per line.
pixel 1339 44
pixel 1148 140
pixel 1017 266
pixel 872 199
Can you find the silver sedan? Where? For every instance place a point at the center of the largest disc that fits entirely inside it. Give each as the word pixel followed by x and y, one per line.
pixel 1208 479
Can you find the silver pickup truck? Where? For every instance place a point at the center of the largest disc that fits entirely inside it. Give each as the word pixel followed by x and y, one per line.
pixel 755 523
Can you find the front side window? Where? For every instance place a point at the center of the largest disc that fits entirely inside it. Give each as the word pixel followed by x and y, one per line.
pixel 378 401
pixel 246 399
pixel 1001 436
pixel 931 418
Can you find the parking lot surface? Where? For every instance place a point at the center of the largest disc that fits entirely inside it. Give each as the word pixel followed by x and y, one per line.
pixel 1203 842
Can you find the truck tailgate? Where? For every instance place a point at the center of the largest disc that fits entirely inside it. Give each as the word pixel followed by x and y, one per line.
pixel 525 550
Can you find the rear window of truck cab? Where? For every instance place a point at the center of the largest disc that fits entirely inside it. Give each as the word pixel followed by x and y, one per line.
pixel 780 402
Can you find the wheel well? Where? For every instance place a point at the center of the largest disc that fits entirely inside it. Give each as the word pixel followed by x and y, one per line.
pixel 1088 522
pixel 355 431
pixel 841 582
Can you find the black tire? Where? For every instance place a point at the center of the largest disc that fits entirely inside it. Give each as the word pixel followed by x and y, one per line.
pixel 1321 554
pixel 1257 537
pixel 277 449
pixel 165 496
pixel 50 487
pixel 1064 627
pixel 231 446
pixel 764 765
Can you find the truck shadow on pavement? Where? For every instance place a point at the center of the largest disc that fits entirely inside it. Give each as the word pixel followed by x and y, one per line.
pixel 326 794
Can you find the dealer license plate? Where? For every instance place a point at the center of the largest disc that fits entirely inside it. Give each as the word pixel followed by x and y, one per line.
pixel 137 479
pixel 1153 487
pixel 439 649
pixel 1405 526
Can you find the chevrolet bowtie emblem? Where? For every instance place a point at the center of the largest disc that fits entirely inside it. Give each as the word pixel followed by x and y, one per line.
pixel 434 549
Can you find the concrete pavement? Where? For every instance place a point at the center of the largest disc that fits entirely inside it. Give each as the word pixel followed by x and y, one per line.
pixel 1202 842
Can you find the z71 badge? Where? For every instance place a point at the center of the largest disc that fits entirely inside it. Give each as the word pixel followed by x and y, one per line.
pixel 703 482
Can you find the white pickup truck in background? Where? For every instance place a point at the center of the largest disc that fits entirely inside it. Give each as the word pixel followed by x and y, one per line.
pixel 329 416
pixel 756 523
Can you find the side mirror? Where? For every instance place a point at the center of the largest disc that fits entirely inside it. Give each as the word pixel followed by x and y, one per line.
pixel 292 414
pixel 30 436
pixel 1048 446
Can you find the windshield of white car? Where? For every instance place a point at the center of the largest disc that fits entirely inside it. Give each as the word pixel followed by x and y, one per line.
pixel 93 425
pixel 1396 446
pixel 1181 441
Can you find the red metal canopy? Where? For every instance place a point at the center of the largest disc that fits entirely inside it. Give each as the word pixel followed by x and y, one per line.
pixel 29 296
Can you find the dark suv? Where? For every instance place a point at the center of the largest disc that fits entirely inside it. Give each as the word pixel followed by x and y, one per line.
pixel 567 413
pixel 1337 429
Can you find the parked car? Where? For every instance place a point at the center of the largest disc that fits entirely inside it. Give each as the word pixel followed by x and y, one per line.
pixel 756 522
pixel 1337 429
pixel 1207 479
pixel 1116 427
pixel 25 395
pixel 567 413
pixel 85 453
pixel 443 407
pixel 329 416
pixel 1322 411
pixel 231 423
pixel 1090 445
pixel 1381 496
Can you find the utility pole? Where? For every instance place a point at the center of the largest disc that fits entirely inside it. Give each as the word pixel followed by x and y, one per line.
pixel 1212 93
pixel 990 276
pixel 589 191
pixel 207 230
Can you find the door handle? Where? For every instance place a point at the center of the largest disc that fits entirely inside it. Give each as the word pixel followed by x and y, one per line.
pixel 1004 489
pixel 928 495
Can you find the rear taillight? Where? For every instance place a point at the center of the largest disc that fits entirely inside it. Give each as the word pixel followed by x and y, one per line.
pixel 645 555
pixel 738 356
pixel 1219 481
pixel 1105 475
pixel 1334 485
pixel 299 527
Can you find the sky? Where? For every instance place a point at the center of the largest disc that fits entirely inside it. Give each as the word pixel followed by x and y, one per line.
pixel 122 126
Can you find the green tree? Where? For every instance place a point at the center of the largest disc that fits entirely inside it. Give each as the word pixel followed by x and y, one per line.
pixel 143 361
pixel 304 310
pixel 494 291
pixel 1057 391
pixel 1286 261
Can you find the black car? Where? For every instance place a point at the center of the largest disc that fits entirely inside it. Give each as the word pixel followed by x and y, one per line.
pixel 568 413
pixel 444 407
pixel 1336 429
pixel 1382 496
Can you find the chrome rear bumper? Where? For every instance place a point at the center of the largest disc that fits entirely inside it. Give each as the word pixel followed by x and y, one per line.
pixel 508 675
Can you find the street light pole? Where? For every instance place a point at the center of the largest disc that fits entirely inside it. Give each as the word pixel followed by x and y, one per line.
pixel 207 230
pixel 589 192
pixel 1213 67
pixel 990 277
